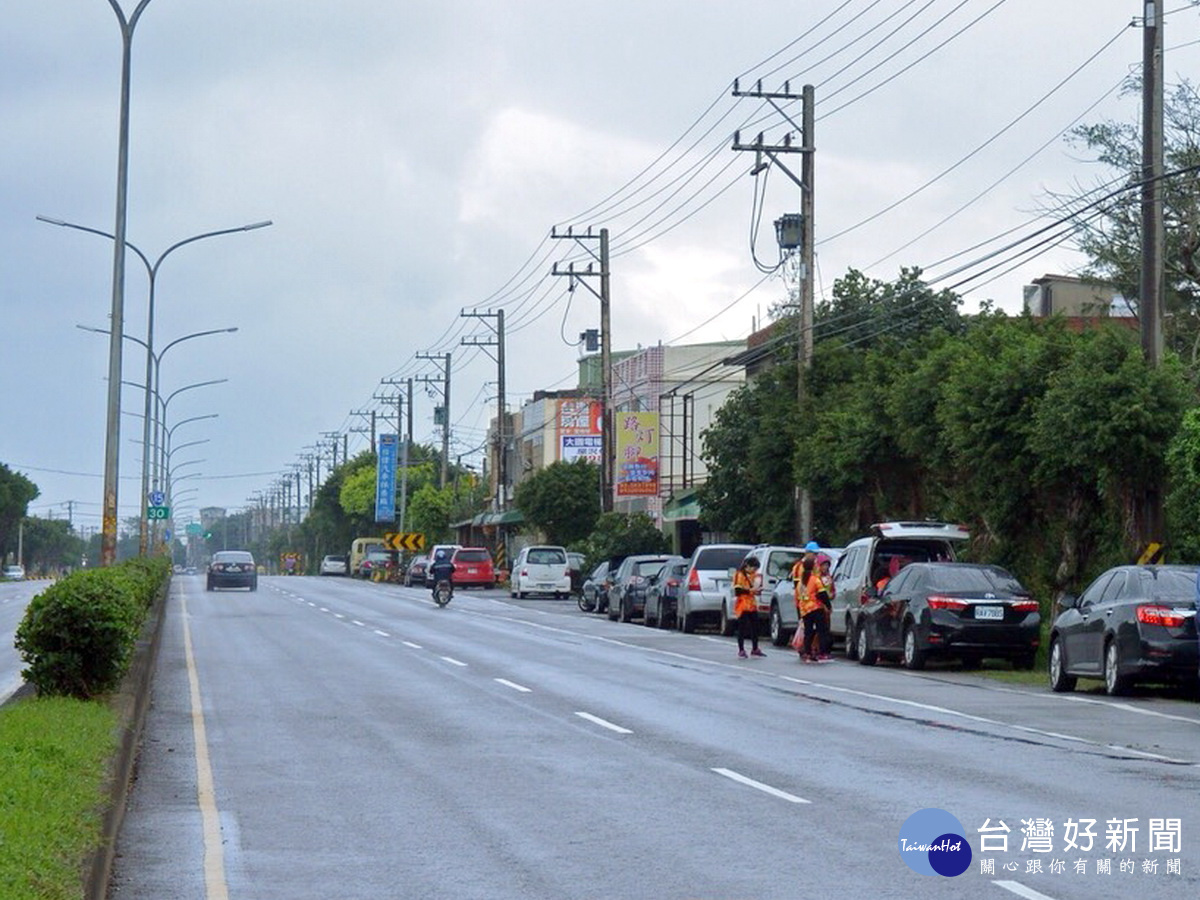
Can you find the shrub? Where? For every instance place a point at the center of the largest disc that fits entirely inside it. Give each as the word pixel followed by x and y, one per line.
pixel 78 635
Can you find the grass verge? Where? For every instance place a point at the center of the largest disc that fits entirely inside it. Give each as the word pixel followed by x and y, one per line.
pixel 54 755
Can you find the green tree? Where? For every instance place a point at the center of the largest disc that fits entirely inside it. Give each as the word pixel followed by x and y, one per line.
pixel 1183 500
pixel 562 500
pixel 16 493
pixel 51 545
pixel 1113 241
pixel 623 534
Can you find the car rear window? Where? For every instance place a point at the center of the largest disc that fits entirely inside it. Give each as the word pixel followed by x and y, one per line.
pixel 232 556
pixel 649 567
pixel 720 558
pixel 968 580
pixel 475 556
pixel 546 557
pixel 1169 584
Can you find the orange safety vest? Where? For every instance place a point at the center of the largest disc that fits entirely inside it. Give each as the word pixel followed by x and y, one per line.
pixel 816 584
pixel 743 592
pixel 799 587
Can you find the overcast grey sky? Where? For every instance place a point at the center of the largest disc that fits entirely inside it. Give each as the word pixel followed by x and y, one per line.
pixel 414 156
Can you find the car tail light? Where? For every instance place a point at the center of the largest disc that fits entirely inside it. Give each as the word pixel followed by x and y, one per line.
pixel 936 601
pixel 1160 615
pixel 1025 606
pixel 694 580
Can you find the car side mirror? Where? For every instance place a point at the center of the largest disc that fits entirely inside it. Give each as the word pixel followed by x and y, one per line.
pixel 1068 601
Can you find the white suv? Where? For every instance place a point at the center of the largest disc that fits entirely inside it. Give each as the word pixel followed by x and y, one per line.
pixel 540 569
pixel 869 559
pixel 774 563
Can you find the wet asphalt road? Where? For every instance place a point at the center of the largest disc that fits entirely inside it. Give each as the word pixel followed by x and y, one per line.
pixel 324 738
pixel 14 598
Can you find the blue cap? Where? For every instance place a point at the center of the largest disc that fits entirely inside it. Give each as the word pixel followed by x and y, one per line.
pixel 812 547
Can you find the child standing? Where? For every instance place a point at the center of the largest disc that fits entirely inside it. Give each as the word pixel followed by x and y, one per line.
pixel 746 588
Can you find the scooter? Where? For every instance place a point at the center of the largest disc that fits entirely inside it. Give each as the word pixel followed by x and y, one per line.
pixel 442 592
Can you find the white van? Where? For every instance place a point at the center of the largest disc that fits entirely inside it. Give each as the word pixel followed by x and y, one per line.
pixel 540 569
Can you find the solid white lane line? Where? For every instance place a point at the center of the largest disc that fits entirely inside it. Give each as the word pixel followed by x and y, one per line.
pixel 514 685
pixel 759 786
pixel 453 661
pixel 216 887
pixel 411 644
pixel 1021 891
pixel 603 723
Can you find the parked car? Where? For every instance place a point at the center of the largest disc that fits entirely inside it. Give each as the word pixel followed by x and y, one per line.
pixel 627 591
pixel 966 611
pixel 662 594
pixel 1132 624
pixel 232 568
pixel 888 548
pixel 417 571
pixel 379 565
pixel 473 567
pixel 540 569
pixel 594 591
pixel 575 564
pixel 774 562
pixel 783 616
pixel 13 573
pixel 710 572
pixel 333 565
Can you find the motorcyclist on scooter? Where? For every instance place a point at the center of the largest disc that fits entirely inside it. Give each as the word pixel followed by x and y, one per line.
pixel 441 569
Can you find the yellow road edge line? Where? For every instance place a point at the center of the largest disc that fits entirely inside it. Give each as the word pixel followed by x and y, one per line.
pixel 215 885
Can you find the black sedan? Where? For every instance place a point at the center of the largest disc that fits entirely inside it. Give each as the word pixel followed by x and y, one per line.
pixel 232 568
pixel 662 594
pixel 960 610
pixel 593 594
pixel 1133 623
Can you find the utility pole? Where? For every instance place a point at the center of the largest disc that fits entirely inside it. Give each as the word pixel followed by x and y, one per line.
pixel 502 416
pixel 369 415
pixel 608 455
pixel 441 417
pixel 333 446
pixel 796 236
pixel 1151 306
pixel 1151 288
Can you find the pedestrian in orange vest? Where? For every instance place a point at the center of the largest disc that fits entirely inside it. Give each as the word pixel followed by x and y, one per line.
pixel 814 610
pixel 746 588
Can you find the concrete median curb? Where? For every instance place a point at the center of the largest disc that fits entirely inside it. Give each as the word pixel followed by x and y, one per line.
pixel 131 703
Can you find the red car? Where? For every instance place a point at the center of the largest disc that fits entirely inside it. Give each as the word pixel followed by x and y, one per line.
pixel 473 567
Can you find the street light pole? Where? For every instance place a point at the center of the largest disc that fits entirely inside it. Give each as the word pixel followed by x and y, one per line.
pixel 150 450
pixel 108 541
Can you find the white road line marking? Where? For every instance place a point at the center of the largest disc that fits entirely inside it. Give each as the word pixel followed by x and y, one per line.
pixel 216 887
pixel 382 633
pixel 324 609
pixel 759 786
pixel 1021 891
pixel 339 615
pixel 358 623
pixel 453 661
pixel 514 685
pixel 411 644
pixel 603 723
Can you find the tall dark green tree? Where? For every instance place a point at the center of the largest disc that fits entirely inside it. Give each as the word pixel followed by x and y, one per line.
pixel 562 500
pixel 16 493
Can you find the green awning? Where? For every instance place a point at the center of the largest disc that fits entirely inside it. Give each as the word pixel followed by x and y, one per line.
pixel 684 505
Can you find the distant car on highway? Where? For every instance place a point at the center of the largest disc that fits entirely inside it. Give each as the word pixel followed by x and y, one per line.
pixel 662 594
pixel 473 568
pixel 232 568
pixel 627 594
pixel 13 573
pixel 417 571
pixel 333 565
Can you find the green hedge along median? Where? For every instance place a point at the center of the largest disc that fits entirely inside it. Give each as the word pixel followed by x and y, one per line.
pixel 78 638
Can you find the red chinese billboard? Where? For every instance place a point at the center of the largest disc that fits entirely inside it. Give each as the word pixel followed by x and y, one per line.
pixel 637 454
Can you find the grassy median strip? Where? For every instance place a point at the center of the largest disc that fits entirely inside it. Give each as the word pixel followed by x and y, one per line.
pixel 54 755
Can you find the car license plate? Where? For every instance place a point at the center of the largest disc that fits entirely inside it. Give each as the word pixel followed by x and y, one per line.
pixel 545 587
pixel 989 612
